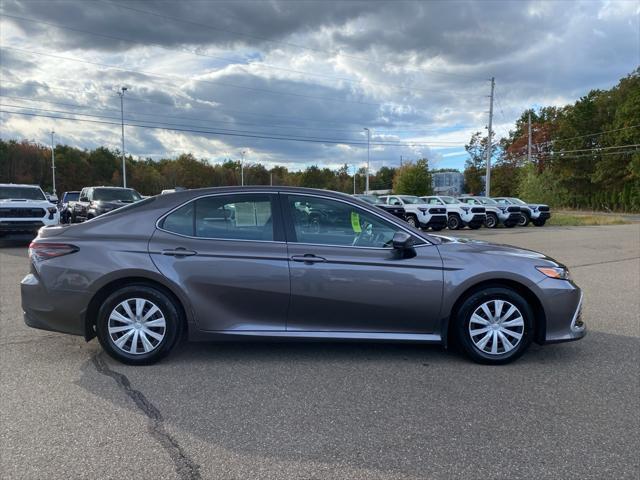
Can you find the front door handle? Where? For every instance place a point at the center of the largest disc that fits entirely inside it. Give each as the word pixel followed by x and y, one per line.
pixel 308 258
pixel 179 252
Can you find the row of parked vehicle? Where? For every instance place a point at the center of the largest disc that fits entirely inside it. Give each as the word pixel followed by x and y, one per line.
pixel 26 208
pixel 440 211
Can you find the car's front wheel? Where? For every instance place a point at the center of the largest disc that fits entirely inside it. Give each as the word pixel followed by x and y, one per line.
pixel 491 220
pixel 494 325
pixel 524 220
pixel 138 324
pixel 412 220
pixel 454 222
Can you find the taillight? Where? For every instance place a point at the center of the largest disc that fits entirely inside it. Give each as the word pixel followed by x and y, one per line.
pixel 44 251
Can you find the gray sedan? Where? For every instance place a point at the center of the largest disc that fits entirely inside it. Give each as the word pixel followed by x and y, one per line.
pixel 288 263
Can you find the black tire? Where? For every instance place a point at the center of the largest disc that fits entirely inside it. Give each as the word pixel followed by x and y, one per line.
pixel 168 309
pixel 413 221
pixel 463 336
pixel 454 222
pixel 524 220
pixel 438 227
pixel 491 220
pixel 539 222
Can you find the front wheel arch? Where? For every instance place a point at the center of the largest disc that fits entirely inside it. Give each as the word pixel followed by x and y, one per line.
pixel 103 293
pixel 539 320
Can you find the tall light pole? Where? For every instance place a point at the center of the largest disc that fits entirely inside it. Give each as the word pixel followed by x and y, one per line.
pixel 487 184
pixel 366 183
pixel 242 168
pixel 53 164
pixel 529 140
pixel 124 166
pixel 355 171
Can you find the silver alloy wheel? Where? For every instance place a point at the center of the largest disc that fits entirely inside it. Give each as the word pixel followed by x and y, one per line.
pixel 523 221
pixel 491 221
pixel 136 326
pixel 496 327
pixel 412 221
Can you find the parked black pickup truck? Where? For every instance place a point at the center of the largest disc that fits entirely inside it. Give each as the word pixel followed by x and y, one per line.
pixel 95 201
pixel 396 210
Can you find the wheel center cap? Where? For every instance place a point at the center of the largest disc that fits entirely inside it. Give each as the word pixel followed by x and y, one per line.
pixel 137 325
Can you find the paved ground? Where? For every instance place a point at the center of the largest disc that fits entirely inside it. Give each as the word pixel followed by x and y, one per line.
pixel 321 411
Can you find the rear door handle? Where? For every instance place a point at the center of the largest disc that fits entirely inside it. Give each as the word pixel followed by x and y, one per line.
pixel 179 252
pixel 308 258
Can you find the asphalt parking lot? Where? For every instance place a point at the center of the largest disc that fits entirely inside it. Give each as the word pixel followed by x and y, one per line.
pixel 323 411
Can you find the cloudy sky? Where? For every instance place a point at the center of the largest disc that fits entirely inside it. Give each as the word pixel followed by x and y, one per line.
pixel 295 82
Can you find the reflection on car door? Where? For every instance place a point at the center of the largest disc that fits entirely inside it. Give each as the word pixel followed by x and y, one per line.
pixel 345 277
pixel 227 253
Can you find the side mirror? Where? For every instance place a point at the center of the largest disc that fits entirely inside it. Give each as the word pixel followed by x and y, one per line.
pixel 402 240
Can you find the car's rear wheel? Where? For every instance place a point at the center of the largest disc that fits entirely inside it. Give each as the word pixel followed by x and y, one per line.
pixel 491 221
pixel 454 222
pixel 494 325
pixel 138 324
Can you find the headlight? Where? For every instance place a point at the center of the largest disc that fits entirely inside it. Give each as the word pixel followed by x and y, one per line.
pixel 52 210
pixel 561 273
pixel 466 209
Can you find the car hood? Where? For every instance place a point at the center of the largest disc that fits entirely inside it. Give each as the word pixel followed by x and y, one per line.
pixel 488 248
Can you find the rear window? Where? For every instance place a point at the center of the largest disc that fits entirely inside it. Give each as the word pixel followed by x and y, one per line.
pixel 231 217
pixel 115 194
pixel 21 193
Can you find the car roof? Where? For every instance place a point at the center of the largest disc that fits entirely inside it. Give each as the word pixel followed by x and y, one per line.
pixel 19 185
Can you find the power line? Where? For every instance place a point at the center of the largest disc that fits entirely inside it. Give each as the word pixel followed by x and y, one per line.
pixel 179 128
pixel 256 37
pixel 262 65
pixel 156 115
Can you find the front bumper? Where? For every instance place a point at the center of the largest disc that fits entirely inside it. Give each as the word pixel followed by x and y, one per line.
pixel 437 220
pixel 52 311
pixel 18 226
pixel 562 302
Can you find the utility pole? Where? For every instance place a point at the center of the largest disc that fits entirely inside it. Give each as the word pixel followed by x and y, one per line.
pixel 401 160
pixel 355 171
pixel 242 168
pixel 124 166
pixel 529 142
pixel 366 187
pixel 53 164
pixel 271 179
pixel 487 189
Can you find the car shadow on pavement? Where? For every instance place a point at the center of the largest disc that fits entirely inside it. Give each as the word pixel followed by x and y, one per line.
pixel 395 408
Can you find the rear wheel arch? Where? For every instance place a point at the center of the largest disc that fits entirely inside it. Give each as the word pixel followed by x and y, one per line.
pixel 106 290
pixel 540 321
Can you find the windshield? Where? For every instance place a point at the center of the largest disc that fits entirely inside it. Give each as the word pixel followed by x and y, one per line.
pixel 21 193
pixel 448 200
pixel 487 201
pixel 516 201
pixel 116 194
pixel 410 199
pixel 71 196
pixel 372 199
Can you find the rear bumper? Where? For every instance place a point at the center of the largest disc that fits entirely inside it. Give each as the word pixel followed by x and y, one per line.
pixel 47 311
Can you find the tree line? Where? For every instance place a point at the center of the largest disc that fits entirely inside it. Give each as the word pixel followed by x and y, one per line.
pixel 585 155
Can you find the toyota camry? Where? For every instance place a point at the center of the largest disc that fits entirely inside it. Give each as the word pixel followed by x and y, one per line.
pixel 247 263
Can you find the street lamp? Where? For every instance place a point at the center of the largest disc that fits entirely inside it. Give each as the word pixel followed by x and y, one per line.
pixel 53 164
pixel 366 188
pixel 242 168
pixel 124 166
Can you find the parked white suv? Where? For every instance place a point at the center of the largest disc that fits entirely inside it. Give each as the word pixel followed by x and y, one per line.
pixel 459 215
pixel 25 208
pixel 536 213
pixel 418 213
pixel 508 215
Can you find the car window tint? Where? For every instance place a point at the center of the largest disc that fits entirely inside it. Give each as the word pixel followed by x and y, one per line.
pixel 237 217
pixel 180 221
pixel 329 222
